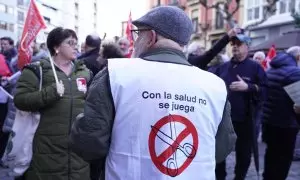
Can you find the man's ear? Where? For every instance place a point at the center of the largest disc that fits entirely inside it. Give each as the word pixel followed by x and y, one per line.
pixel 153 38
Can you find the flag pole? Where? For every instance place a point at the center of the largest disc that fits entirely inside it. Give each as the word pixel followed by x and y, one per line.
pixel 51 59
pixel 53 69
pixel 5 92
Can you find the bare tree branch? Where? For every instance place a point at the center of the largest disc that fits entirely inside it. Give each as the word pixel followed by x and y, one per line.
pixel 228 15
pixel 237 7
pixel 215 6
pixel 225 10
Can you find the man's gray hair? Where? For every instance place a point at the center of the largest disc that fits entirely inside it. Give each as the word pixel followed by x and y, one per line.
pixel 194 48
pixel 259 54
pixel 294 51
pixel 124 40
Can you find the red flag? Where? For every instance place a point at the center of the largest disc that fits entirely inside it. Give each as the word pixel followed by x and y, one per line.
pixel 4 69
pixel 129 35
pixel 33 24
pixel 271 54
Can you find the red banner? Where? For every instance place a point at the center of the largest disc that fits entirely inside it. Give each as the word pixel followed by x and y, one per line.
pixel 129 35
pixel 33 24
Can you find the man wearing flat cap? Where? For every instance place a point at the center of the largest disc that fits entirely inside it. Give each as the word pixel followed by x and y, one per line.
pixel 155 116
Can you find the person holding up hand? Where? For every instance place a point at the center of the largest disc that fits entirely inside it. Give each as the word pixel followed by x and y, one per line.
pixel 246 82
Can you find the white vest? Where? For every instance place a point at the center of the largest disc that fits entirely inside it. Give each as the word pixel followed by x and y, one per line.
pixel 167 116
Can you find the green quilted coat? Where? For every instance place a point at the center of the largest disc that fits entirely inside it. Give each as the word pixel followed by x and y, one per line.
pixel 53 158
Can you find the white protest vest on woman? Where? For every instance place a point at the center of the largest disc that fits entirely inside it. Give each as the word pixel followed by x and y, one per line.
pixel 167 116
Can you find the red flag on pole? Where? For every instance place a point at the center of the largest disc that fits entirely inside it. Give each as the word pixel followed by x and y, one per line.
pixel 271 54
pixel 33 24
pixel 129 35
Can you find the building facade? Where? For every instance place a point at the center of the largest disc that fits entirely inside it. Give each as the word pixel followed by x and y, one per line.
pixel 81 16
pixel 208 23
pixel 277 24
pixel 8 19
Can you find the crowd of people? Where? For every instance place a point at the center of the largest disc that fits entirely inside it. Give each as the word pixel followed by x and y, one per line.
pixel 97 123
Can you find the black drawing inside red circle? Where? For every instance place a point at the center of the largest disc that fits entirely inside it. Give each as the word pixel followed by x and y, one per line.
pixel 175 142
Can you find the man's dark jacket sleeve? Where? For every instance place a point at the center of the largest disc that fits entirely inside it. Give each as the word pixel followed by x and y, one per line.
pixel 259 87
pixel 91 132
pixel 203 60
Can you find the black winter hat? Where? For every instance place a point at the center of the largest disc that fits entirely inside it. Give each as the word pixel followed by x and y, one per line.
pixel 93 41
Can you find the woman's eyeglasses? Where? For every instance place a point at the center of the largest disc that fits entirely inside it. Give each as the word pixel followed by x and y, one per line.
pixel 72 43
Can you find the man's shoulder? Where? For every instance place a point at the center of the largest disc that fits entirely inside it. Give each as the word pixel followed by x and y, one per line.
pixel 211 78
pixel 251 62
pixel 224 65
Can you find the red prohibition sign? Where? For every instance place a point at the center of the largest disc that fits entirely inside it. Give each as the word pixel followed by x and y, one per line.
pixel 169 155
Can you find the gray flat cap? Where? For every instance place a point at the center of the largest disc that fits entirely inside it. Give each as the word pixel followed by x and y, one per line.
pixel 168 21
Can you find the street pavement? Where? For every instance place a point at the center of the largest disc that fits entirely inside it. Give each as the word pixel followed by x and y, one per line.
pixel 294 173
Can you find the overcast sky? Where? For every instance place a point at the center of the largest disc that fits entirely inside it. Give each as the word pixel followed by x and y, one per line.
pixel 113 12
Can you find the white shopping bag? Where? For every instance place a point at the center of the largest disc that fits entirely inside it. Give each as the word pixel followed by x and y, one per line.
pixel 18 152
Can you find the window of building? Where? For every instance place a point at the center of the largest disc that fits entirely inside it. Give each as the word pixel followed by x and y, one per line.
pixel 253 9
pixel 3 25
pixel 10 10
pixel 11 27
pixel 286 6
pixel 2 8
pixel 20 31
pixel 95 17
pixel 47 19
pixel 76 7
pixel 20 16
pixel 219 20
pixel 173 2
pixel 195 20
pixel 21 2
pixel 76 29
pixel 95 7
pixel 158 2
pixel 282 7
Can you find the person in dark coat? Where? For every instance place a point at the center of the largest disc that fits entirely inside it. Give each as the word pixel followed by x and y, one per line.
pixel 216 63
pixel 109 51
pixel 297 111
pixel 246 82
pixel 92 49
pixel 280 125
pixel 201 61
pixel 7 48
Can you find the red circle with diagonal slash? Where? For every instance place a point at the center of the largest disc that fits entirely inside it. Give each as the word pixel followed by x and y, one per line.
pixel 158 160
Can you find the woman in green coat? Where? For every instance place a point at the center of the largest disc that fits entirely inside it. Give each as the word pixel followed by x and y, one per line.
pixel 59 105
